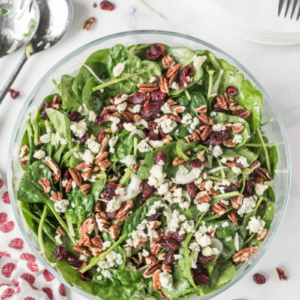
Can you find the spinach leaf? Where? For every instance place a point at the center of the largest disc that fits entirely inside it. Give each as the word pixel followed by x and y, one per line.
pixel 123 285
pixel 61 123
pixel 251 99
pixel 29 189
pixel 98 56
pixel 182 55
pixel 99 185
pixel 238 152
pixel 70 100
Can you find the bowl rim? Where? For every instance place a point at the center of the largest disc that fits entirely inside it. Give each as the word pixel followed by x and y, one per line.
pixel 21 115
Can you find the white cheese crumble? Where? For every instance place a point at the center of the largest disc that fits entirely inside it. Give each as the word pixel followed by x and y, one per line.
pixel 156 144
pixel 260 188
pixel 143 146
pixel 247 206
pixel 129 126
pixel 175 86
pixel 166 108
pixel 157 176
pixel 46 138
pixel 236 170
pixel 256 225
pixel 106 274
pixel 198 61
pixel 166 280
pixel 58 239
pixel 61 206
pixel 217 151
pixel 203 207
pixel 39 154
pixel 136 109
pixel 83 110
pixel 92 116
pixel 168 125
pixel 194 247
pixel 219 127
pixel 111 260
pixel 145 253
pixel 113 205
pixel 88 157
pixel 243 161
pixel 118 69
pixel 93 145
pixel 115 121
pixel 187 119
pixel 237 138
pixel 129 161
pixel 122 106
pixel 112 142
pixel 79 129
pixel 195 123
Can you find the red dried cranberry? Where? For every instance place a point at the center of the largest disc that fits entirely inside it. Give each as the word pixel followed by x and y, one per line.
pixel 259 278
pixel 67 175
pixel 43 108
pixel 111 215
pixel 262 205
pixel 74 116
pixel 175 235
pixel 101 118
pixel 152 136
pixel 230 188
pixel 161 156
pixel 158 96
pixel 204 259
pixel 155 216
pixel 170 244
pixel 191 189
pixel 100 136
pixel 201 276
pixel 238 184
pixel 222 217
pixel 151 110
pixel 144 200
pixel 14 94
pixel 249 186
pixel 83 139
pixel 196 163
pixel 184 74
pixel 85 277
pixel 216 138
pixel 219 109
pixel 155 52
pixel 74 261
pixel 152 125
pixel 60 253
pixel 106 5
pixel 231 90
pixel 110 190
pixel 139 98
pixel 161 134
pixel 145 188
pixel 169 258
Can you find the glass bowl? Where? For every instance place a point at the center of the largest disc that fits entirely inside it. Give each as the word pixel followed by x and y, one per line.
pixel 69 65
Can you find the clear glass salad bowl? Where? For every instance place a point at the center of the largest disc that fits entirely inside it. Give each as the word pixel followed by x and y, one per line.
pixel 69 65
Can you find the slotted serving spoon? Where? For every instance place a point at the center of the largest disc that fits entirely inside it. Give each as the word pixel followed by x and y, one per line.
pixel 56 18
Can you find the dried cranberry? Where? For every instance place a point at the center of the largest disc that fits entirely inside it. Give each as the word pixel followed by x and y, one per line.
pixel 196 163
pixel 145 188
pixel 170 244
pixel 155 216
pixel 169 258
pixel 155 52
pixel 111 215
pixel 74 116
pixel 83 139
pixel 262 205
pixel 74 261
pixel 151 110
pixel 191 189
pixel 110 190
pixel 152 125
pixel 67 175
pixel 60 253
pixel 231 90
pixel 43 108
pixel 216 138
pixel 139 98
pixel 184 74
pixel 249 186
pixel 201 276
pixel 101 118
pixel 161 156
pixel 219 109
pixel 100 136
pixel 144 200
pixel 230 188
pixel 106 5
pixel 158 96
pixel 14 94
pixel 238 184
pixel 175 235
pixel 222 217
pixel 121 124
pixel 204 259
pixel 161 134
pixel 152 136
pixel 259 278
pixel 85 277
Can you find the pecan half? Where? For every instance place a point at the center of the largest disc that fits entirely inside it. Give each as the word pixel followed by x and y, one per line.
pixel 24 151
pixel 82 250
pixel 88 23
pixel 97 242
pixel 172 79
pixel 206 132
pixel 44 182
pixel 156 280
pixel 244 115
pixel 237 128
pixel 281 274
pixel 203 197
pixel 86 175
pixel 151 270
pixel 201 155
pixel 69 185
pixel 124 210
pixel 263 173
pixel 84 240
pixel 155 247
pixel 219 208
pixel 154 224
pixel 178 161
pixel 163 85
pixel 173 70
pixel 148 87
pixel 161 256
pixel 167 268
pixel 167 61
pixel 229 144
pixel 100 157
pixel 24 161
pixel 61 231
pixel 105 164
pixel 87 226
pixel 114 231
pixel 127 116
pixel 237 201
pixel 202 109
pixel 255 165
pixel 56 196
pixel 150 260
pixel 162 295
pixel 104 144
pixel 176 118
pixel 244 254
pixel 206 120
pixel 262 235
pixel 102 224
pixel 222 102
pixel 84 167
pixel 54 167
pixel 196 135
pixel 85 188
pixel 76 176
pixel 232 216
pixel 234 164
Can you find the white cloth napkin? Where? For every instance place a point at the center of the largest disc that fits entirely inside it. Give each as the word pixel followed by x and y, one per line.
pixel 22 277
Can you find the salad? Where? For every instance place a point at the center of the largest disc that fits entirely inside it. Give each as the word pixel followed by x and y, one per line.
pixel 147 174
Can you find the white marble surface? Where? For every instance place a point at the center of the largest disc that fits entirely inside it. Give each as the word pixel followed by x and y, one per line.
pixel 277 68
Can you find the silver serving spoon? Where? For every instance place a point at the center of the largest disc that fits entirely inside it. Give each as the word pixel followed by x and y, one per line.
pixel 19 20
pixel 56 18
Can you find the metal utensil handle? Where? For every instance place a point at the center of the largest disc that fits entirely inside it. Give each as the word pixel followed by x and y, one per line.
pixel 12 77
